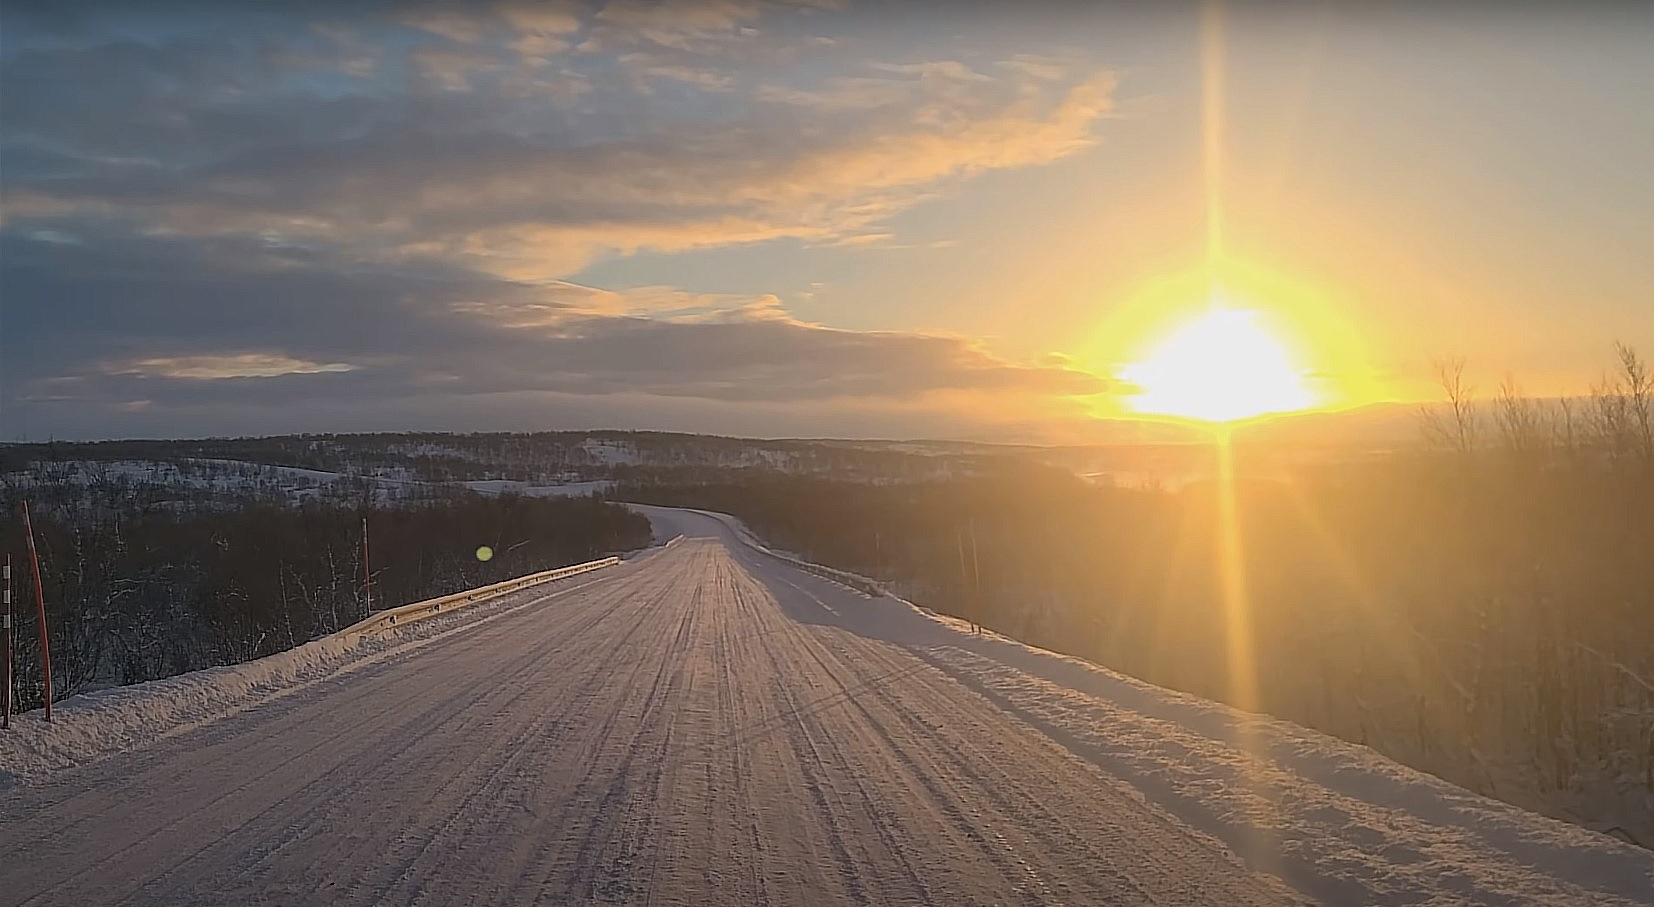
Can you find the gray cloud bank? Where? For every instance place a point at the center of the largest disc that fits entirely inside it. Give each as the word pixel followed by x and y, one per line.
pixel 288 218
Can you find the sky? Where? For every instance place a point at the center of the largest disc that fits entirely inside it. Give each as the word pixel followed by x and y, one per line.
pixel 811 218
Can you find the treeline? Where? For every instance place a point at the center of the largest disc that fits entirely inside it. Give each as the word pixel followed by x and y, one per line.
pixel 538 457
pixel 1481 607
pixel 136 592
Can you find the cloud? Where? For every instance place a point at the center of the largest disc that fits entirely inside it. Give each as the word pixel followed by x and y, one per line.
pixel 1039 66
pixel 945 70
pixel 691 25
pixel 371 211
pixel 863 239
pixel 233 365
pixel 182 324
pixel 537 49
pixel 452 70
pixel 534 30
pixel 560 302
pixel 543 17
pixel 455 25
pixel 493 164
pixel 645 67
pixel 781 359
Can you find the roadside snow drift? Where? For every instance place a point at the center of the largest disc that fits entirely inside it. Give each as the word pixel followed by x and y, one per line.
pixel 710 725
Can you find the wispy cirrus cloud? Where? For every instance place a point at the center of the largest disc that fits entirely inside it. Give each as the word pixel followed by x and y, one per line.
pixel 225 365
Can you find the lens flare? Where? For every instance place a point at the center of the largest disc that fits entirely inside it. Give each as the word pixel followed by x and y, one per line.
pixel 1221 367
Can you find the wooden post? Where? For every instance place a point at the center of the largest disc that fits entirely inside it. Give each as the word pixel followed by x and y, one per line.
pixel 6 628
pixel 976 580
pixel 40 607
pixel 965 577
pixel 367 588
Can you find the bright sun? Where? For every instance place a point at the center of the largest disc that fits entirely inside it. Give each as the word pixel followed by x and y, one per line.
pixel 1220 367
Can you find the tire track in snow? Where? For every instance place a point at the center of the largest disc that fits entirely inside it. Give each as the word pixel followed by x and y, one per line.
pixel 702 728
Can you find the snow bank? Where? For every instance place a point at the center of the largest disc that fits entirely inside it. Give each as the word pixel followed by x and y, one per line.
pixel 93 725
pixel 864 585
pixel 1335 820
pixel 514 486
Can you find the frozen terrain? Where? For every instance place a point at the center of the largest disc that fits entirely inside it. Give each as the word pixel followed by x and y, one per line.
pixel 710 725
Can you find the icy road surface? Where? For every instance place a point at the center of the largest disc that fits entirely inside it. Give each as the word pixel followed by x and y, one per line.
pixel 705 726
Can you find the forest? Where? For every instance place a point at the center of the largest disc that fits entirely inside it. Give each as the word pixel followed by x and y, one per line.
pixel 549 457
pixel 1480 607
pixel 140 582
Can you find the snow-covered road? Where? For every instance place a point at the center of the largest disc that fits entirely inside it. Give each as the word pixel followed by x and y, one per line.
pixel 705 725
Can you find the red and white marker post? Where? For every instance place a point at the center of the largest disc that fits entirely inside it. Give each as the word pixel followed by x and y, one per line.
pixel 40 607
pixel 5 628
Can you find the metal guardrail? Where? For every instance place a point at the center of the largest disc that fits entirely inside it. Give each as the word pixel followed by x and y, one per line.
pixel 403 615
pixel 855 581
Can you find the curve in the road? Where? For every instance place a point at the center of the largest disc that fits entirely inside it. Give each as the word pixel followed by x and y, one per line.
pixel 703 726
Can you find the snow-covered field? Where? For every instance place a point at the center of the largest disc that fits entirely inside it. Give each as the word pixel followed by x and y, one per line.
pixel 709 725
pixel 235 479
pixel 564 490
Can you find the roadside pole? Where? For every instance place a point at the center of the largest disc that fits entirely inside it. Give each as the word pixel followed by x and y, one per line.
pixel 965 578
pixel 6 629
pixel 367 587
pixel 976 580
pixel 40 607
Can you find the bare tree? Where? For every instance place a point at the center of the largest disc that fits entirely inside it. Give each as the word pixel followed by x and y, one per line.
pixel 1564 431
pixel 1519 419
pixel 1453 427
pixel 1607 417
pixel 1637 390
pixel 1621 416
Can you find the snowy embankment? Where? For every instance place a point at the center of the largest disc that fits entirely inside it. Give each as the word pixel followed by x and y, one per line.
pixel 1337 821
pixel 90 726
pixel 864 585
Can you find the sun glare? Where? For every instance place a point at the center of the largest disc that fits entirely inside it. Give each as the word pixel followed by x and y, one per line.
pixel 1221 367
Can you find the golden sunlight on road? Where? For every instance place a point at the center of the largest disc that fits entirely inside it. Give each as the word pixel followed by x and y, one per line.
pixel 1221 366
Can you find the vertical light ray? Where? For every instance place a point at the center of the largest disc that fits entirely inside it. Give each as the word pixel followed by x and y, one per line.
pixel 1382 631
pixel 1237 610
pixel 1231 566
pixel 1243 680
pixel 1211 131
pixel 1260 848
pixel 1314 55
